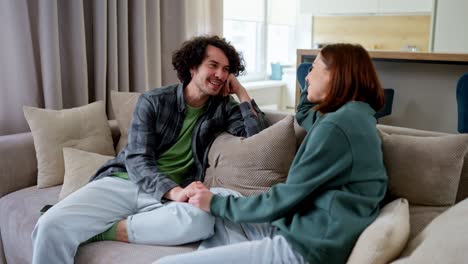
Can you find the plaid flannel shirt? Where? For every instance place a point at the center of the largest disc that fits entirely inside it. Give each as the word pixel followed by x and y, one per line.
pixel 155 125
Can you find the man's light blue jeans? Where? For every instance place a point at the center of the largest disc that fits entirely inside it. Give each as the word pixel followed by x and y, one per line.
pixel 98 205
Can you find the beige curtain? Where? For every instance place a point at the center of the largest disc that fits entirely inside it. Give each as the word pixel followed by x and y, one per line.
pixel 62 54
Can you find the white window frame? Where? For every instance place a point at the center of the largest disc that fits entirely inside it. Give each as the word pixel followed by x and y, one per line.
pixel 261 50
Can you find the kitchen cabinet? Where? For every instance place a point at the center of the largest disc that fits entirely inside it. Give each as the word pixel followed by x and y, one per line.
pixel 450 34
pixel 405 6
pixel 350 7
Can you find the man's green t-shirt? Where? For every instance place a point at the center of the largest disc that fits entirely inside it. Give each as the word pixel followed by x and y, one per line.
pixel 178 159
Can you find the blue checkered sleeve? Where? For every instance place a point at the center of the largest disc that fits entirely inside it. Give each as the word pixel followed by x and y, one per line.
pixel 242 121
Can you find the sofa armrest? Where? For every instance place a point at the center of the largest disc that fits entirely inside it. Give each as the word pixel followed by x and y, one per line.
pixel 18 165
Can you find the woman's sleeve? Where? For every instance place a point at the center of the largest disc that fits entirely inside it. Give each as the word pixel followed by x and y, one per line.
pixel 325 157
pixel 305 115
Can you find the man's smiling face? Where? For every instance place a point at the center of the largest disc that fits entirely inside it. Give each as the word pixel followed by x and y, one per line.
pixel 212 73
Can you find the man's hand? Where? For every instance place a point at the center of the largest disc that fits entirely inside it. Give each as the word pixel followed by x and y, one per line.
pixel 200 198
pixel 178 194
pixel 233 86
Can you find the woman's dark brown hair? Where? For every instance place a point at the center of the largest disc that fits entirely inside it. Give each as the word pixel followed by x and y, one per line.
pixel 353 78
pixel 193 51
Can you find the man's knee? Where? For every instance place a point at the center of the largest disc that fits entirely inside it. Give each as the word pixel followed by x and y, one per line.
pixel 48 225
pixel 193 220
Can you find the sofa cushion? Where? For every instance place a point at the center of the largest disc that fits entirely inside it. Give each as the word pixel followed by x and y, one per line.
pixel 19 212
pixel 463 185
pixel 383 240
pixel 425 170
pixel 252 165
pixel 79 167
pixel 274 117
pixel 84 128
pixel 123 105
pixel 2 253
pixel 421 216
pixel 444 240
pixel 117 252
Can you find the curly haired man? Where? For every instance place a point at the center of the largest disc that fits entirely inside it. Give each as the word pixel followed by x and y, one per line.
pixel 141 195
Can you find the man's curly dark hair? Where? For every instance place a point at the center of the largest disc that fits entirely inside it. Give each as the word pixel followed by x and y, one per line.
pixel 193 51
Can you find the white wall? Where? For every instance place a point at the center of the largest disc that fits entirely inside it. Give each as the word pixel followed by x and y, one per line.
pixel 451 21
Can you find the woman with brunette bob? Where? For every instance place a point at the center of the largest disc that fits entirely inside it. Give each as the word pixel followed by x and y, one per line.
pixel 334 185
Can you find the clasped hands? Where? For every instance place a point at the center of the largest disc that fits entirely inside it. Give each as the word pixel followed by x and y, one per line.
pixel 196 193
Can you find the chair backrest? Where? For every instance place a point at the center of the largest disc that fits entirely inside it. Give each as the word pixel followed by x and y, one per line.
pixel 302 71
pixel 462 103
pixel 304 68
pixel 388 105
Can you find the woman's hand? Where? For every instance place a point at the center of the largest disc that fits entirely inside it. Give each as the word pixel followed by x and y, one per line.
pixel 200 198
pixel 195 185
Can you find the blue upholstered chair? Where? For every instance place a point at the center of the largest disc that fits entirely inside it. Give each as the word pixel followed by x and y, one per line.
pixel 387 108
pixel 462 103
pixel 304 68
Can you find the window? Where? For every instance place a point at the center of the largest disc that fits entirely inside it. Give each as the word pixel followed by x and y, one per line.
pixel 264 31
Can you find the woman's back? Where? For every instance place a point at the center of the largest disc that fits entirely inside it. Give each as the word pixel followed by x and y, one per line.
pixel 340 167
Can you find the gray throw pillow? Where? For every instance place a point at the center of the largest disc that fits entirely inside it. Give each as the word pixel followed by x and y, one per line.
pixel 123 105
pixel 252 165
pixel 425 170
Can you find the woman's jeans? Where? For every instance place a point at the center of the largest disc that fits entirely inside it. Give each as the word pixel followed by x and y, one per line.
pixel 239 243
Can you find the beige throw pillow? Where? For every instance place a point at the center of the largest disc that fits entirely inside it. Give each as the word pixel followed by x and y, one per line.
pixel 384 239
pixel 425 170
pixel 252 165
pixel 84 128
pixel 444 240
pixel 123 105
pixel 79 167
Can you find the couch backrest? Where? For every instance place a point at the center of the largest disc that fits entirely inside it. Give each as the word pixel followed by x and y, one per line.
pixel 18 164
pixel 273 117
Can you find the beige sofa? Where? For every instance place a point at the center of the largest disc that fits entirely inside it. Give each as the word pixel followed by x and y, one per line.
pixel 21 200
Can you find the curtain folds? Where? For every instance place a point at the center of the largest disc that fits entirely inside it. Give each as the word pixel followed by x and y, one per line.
pixel 63 54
